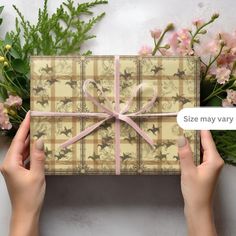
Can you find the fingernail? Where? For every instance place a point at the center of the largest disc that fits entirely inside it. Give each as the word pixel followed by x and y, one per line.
pixel 39 144
pixel 181 141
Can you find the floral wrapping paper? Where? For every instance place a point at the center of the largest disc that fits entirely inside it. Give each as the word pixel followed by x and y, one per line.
pixel 56 86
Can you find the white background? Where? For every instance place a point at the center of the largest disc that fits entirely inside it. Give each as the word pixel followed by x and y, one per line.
pixel 140 206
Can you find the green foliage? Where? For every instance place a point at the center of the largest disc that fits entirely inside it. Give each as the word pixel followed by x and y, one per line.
pixel 62 33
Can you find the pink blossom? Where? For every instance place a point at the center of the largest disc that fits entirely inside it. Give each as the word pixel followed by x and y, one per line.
pixel 226 103
pixel 4 119
pixel 145 50
pixel 222 75
pixel 211 48
pixel 198 22
pixel 226 59
pixel 13 101
pixel 156 33
pixel 229 39
pixel 180 43
pixel 231 95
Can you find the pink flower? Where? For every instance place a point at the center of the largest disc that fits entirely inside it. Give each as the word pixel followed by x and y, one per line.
pixel 226 59
pixel 229 39
pixel 222 75
pixel 156 33
pixel 226 103
pixel 211 48
pixel 4 119
pixel 231 95
pixel 180 43
pixel 198 22
pixel 145 50
pixel 230 100
pixel 13 101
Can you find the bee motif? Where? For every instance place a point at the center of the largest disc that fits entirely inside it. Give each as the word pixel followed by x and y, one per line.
pixel 126 75
pixel 154 129
pixel 72 83
pixel 181 99
pixel 43 101
pixel 65 101
pixel 130 138
pixel 94 156
pixel 40 133
pixel 180 74
pixel 52 81
pixel 47 69
pixel 66 131
pixel 156 69
pixel 39 89
pixel 161 156
pixel 126 156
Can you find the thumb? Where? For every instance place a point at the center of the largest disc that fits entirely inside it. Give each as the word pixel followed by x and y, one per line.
pixel 185 155
pixel 37 157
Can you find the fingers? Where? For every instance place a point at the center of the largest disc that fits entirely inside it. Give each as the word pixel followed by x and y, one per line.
pixel 18 142
pixel 37 157
pixel 210 152
pixel 185 155
pixel 207 141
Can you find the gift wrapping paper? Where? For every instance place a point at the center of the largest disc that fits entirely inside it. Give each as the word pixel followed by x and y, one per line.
pixel 57 86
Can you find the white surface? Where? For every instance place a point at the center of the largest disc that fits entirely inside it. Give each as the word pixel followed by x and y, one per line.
pixel 140 206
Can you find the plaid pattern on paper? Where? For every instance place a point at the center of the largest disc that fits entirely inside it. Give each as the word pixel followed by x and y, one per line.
pixel 56 86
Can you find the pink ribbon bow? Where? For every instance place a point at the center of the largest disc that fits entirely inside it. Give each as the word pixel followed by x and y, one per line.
pixel 111 113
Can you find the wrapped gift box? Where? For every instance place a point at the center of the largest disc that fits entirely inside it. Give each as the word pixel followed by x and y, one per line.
pixel 57 86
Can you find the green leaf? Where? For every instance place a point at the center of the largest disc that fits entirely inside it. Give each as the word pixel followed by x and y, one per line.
pixel 214 102
pixel 14 53
pixel 8 39
pixel 20 66
pixel 1 9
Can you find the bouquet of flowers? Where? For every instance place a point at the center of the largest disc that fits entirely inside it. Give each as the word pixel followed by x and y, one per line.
pixel 218 68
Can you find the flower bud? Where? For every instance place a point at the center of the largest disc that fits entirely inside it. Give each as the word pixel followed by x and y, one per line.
pixel 2 59
pixel 156 33
pixel 203 32
pixel 8 47
pixel 215 16
pixel 222 42
pixel 5 63
pixel 167 46
pixel 170 27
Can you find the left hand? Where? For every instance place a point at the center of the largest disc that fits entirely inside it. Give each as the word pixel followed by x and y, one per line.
pixel 26 187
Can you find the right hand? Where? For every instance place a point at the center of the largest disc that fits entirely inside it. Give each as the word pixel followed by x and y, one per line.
pixel 198 183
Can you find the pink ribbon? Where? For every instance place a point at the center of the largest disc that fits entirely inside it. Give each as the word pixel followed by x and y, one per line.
pixel 110 113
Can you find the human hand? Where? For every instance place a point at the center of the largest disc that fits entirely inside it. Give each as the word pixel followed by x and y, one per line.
pixel 26 187
pixel 198 184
